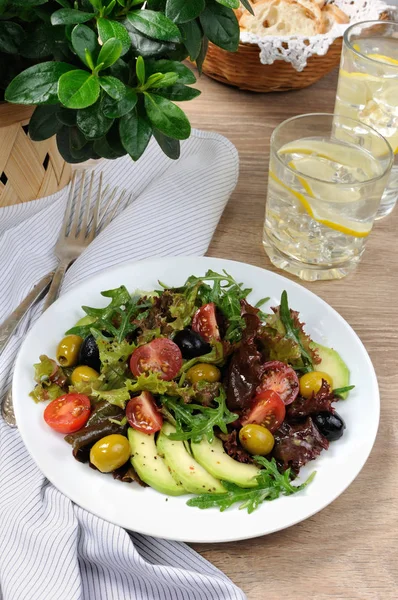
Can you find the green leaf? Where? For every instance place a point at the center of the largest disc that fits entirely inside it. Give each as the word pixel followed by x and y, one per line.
pixel 109 53
pixel 70 16
pixel 185 75
pixel 170 147
pixel 114 109
pixel 154 25
pixel 109 8
pixel 78 89
pixel 112 86
pixel 135 133
pixel 229 3
pixel 105 150
pixel 202 54
pixel 221 26
pixel 120 69
pixel 181 11
pixel 43 123
pixel 46 40
pixel 167 117
pixel 157 5
pixel 84 38
pixel 192 38
pixel 11 37
pixel 65 149
pixel 66 116
pixel 292 332
pixel 37 84
pixel 92 122
pixel 157 80
pixel 343 390
pixel 145 47
pixel 140 70
pixel 179 93
pixel 108 29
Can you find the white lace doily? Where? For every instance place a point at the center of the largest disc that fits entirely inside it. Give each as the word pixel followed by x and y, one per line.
pixel 297 49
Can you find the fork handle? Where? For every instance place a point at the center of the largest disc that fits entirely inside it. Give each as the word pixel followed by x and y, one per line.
pixel 56 283
pixel 10 324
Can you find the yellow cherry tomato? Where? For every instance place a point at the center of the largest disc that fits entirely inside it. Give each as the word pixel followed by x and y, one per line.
pixel 203 372
pixel 83 373
pixel 311 383
pixel 110 453
pixel 68 350
pixel 256 439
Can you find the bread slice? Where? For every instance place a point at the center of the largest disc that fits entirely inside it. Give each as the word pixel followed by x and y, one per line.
pixel 283 17
pixel 332 14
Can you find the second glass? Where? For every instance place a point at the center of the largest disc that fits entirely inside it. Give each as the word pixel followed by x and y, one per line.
pixel 368 88
pixel 327 174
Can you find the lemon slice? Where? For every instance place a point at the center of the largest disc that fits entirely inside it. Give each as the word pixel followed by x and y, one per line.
pixel 384 59
pixel 345 226
pixel 341 153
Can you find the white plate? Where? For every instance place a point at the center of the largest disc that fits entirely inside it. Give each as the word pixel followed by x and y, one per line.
pixel 147 511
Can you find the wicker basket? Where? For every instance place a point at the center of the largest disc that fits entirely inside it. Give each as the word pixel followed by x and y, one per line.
pixel 244 70
pixel 28 169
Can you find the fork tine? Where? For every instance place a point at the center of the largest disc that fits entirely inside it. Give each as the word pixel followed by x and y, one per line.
pixel 68 208
pixel 107 206
pixel 90 236
pixel 114 210
pixel 86 209
pixel 76 214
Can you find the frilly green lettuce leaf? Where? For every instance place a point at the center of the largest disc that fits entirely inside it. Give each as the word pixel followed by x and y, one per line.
pixel 44 369
pixel 42 393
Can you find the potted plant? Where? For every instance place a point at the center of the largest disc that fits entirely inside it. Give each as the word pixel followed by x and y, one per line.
pixel 104 74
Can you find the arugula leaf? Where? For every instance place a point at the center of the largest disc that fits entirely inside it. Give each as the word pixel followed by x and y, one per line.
pixel 271 485
pixel 116 318
pixel 226 293
pixel 193 421
pixel 343 390
pixel 292 332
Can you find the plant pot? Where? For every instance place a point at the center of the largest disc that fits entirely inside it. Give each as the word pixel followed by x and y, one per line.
pixel 28 170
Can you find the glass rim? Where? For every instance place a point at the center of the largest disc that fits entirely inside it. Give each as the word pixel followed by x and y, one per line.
pixel 358 52
pixel 274 153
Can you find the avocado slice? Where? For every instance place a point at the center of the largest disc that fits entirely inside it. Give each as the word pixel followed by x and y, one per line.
pixel 184 468
pixel 332 364
pixel 151 467
pixel 217 462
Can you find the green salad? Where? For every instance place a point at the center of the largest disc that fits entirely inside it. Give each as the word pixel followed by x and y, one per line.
pixel 193 390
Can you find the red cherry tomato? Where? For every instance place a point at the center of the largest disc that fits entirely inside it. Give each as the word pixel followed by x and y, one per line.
pixel 68 413
pixel 267 410
pixel 142 413
pixel 280 378
pixel 160 356
pixel 204 322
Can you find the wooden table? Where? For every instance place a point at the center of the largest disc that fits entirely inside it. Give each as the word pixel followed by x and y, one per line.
pixel 349 550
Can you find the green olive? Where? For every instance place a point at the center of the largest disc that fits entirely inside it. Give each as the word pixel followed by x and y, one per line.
pixel 68 350
pixel 203 372
pixel 256 439
pixel 311 383
pixel 83 373
pixel 110 453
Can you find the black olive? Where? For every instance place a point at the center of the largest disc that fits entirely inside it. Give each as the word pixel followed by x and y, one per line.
pixel 191 343
pixel 331 425
pixel 89 353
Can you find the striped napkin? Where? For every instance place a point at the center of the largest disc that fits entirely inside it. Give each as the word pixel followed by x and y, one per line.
pixel 50 548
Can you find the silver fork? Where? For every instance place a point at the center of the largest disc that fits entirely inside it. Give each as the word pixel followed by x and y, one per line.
pixel 71 242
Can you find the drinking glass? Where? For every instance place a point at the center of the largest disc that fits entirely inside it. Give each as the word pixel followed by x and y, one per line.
pixel 368 88
pixel 327 174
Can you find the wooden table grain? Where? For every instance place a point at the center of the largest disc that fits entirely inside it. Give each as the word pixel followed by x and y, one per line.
pixel 348 551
